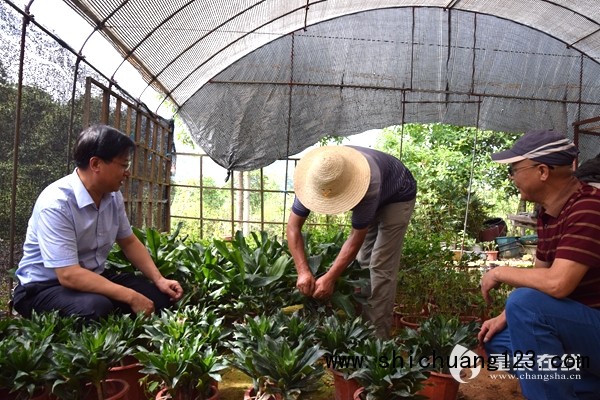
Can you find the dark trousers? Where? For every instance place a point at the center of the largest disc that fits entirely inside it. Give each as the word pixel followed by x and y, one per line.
pixel 51 295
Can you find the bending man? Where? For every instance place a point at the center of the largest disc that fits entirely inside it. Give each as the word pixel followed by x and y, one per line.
pixel 381 193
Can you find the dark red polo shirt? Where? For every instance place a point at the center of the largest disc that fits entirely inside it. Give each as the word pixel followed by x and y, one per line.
pixel 575 235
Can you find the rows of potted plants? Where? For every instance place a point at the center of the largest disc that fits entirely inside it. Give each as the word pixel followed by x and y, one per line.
pixel 246 274
pixel 431 282
pixel 181 355
pixel 221 323
pixel 63 357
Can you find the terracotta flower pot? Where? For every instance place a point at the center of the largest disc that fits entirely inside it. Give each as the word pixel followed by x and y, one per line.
pixel 129 371
pixel 214 393
pixel 440 387
pixel 358 393
pixel 412 321
pixel 344 388
pixel 114 389
pixel 491 255
pixel 398 314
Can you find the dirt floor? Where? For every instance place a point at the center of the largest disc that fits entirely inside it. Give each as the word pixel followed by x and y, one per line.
pixel 490 385
pixel 486 386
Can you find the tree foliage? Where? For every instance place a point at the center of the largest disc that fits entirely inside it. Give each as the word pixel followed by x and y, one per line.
pixel 441 158
pixel 43 151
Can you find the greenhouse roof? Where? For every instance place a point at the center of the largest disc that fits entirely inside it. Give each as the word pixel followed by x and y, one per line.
pixel 260 80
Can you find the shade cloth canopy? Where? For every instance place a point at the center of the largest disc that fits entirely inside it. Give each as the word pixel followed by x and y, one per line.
pixel 256 81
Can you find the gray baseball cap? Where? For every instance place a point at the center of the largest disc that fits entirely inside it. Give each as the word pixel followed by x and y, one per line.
pixel 544 146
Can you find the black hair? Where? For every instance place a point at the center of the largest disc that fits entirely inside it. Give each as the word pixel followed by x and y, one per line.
pixel 102 141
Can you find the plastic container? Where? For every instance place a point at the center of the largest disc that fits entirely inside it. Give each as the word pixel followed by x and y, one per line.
pixel 528 240
pixel 508 247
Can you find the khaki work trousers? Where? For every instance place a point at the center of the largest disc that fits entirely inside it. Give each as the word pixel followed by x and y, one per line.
pixel 380 253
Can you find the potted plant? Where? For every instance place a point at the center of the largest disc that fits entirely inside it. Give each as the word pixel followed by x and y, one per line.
pixel 183 355
pixel 83 360
pixel 320 256
pixel 435 341
pixel 282 362
pixel 421 264
pixel 130 329
pixel 490 250
pixel 26 370
pixel 183 370
pixel 387 372
pixel 25 367
pixel 339 337
pixel 166 249
pixel 456 291
pixel 252 274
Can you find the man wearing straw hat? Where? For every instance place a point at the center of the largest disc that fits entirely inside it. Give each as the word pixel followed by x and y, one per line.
pixel 381 193
pixel 549 332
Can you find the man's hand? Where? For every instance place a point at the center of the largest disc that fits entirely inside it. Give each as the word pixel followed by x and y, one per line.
pixel 490 327
pixel 306 283
pixel 170 287
pixel 140 304
pixel 488 282
pixel 324 287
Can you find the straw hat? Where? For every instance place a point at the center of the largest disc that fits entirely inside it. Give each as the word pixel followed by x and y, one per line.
pixel 332 179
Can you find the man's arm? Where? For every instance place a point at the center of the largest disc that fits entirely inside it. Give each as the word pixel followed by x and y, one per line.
pixel 559 280
pixel 137 253
pixel 326 284
pixel 306 280
pixel 76 278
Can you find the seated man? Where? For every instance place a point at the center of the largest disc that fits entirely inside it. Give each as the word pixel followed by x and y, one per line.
pixel 549 331
pixel 74 224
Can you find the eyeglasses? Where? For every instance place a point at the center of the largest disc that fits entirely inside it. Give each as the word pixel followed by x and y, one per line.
pixel 512 171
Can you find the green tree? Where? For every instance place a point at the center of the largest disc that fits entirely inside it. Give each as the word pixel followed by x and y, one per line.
pixel 43 151
pixel 441 158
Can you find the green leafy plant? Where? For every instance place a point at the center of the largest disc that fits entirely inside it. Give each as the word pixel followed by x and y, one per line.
pixel 489 246
pixel 199 284
pixel 183 324
pixel 279 354
pixel 320 257
pixel 184 351
pixel 85 357
pixel 25 367
pixel 437 337
pixel 456 291
pixel 188 369
pixel 253 273
pixel 387 372
pixel 167 250
pixel 130 328
pixel 340 336
pixel 26 353
pixel 278 367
